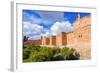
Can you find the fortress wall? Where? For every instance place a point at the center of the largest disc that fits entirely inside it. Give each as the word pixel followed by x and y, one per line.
pixel 82 37
pixel 32 42
pixel 43 41
pixel 61 39
pixel 70 38
pixel 85 21
pixel 83 42
pixel 64 38
pixel 58 40
pixel 47 41
pixel 53 40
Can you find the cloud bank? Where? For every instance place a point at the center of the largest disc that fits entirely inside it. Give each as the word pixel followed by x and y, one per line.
pixel 35 31
pixel 44 23
pixel 59 27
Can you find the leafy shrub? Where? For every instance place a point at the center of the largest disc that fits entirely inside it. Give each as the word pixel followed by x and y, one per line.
pixel 56 50
pixel 48 52
pixel 67 52
pixel 38 57
pixel 58 57
pixel 75 56
pixel 44 54
pixel 26 60
pixel 39 54
pixel 26 53
pixel 34 48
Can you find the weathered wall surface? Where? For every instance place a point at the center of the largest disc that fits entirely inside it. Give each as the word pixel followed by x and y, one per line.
pixel 53 40
pixel 70 38
pixel 45 41
pixel 81 37
pixel 61 39
pixel 32 42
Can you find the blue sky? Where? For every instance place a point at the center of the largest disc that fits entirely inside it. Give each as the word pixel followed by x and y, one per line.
pixel 47 23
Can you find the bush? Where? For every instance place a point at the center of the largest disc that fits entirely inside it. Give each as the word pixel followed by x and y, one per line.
pixel 34 48
pixel 26 53
pixel 58 57
pixel 44 54
pixel 56 50
pixel 67 52
pixel 38 57
pixel 48 52
pixel 39 54
pixel 75 56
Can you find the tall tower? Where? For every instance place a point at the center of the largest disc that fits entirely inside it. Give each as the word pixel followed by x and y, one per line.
pixel 77 22
pixel 78 17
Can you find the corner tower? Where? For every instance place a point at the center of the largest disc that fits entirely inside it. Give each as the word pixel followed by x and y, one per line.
pixel 77 22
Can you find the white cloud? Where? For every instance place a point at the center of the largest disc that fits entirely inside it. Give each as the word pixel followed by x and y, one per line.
pixel 35 31
pixel 31 18
pixel 32 30
pixel 59 27
pixel 47 33
pixel 49 17
pixel 35 37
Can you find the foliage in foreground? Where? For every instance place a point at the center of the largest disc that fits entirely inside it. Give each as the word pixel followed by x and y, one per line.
pixel 40 54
